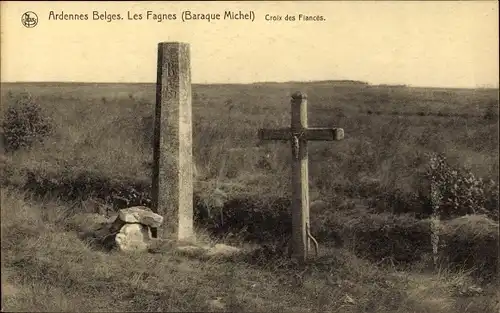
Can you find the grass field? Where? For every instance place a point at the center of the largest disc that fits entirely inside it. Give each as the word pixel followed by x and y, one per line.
pixel 373 183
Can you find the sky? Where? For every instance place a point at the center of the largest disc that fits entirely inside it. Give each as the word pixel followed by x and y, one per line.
pixel 439 44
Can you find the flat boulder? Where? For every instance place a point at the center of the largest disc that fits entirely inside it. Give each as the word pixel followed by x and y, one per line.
pixel 141 215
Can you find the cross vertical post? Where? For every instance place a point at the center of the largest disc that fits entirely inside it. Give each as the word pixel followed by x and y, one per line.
pixel 300 174
pixel 299 134
pixel 172 182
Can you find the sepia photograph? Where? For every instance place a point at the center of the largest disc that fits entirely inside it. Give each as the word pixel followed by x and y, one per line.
pixel 249 156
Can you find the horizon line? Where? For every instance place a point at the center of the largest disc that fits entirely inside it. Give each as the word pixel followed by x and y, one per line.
pixel 354 82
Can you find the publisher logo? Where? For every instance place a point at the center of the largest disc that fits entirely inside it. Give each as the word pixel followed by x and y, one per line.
pixel 29 19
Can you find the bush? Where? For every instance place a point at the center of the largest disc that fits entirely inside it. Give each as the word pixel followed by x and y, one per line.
pixel 24 123
pixel 461 192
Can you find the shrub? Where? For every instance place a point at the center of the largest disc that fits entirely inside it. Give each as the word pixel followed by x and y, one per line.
pixel 24 123
pixel 461 191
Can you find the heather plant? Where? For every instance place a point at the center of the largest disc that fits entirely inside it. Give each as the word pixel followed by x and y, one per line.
pixel 460 191
pixel 24 122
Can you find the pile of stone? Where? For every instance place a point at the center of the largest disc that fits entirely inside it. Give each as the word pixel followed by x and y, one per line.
pixel 131 230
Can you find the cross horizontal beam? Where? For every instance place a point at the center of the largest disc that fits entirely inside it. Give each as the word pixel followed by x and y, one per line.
pixel 328 134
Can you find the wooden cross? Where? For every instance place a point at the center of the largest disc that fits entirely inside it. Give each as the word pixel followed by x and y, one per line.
pixel 299 134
